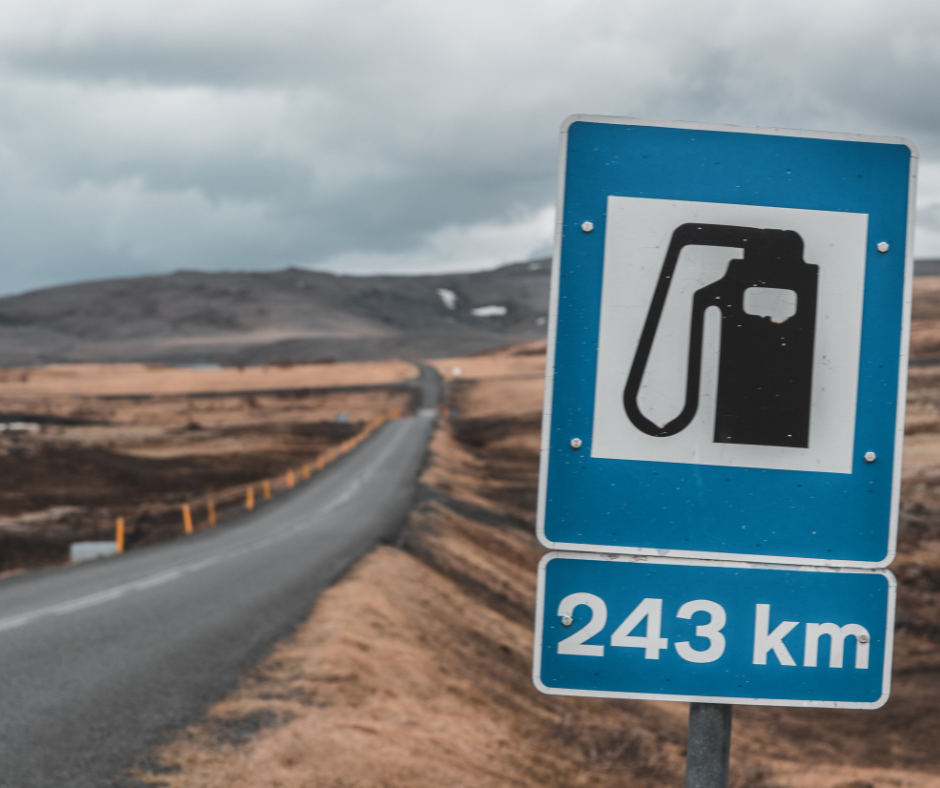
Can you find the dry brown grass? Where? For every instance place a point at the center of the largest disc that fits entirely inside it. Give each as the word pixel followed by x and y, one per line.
pixel 414 670
pixel 516 378
pixel 99 380
pixel 925 328
pixel 136 441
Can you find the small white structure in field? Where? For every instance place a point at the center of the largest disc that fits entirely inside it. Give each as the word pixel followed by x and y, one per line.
pixel 19 426
pixel 493 310
pixel 86 551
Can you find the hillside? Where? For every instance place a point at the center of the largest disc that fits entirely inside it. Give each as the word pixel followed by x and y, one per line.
pixel 241 319
pixel 192 317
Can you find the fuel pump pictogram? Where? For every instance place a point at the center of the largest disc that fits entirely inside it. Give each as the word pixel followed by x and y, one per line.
pixel 765 368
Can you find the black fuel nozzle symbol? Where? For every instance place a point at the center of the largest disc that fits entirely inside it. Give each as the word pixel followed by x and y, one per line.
pixel 765 368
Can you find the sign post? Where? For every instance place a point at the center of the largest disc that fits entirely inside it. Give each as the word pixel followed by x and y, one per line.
pixel 724 410
pixel 709 745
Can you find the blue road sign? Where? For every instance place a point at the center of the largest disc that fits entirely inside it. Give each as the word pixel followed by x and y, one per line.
pixel 715 632
pixel 727 343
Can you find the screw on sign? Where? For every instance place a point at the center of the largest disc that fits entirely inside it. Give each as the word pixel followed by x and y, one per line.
pixel 723 420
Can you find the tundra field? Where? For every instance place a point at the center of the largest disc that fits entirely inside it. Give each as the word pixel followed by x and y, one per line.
pixel 84 444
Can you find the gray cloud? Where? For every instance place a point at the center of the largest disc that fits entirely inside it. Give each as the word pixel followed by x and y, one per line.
pixel 365 135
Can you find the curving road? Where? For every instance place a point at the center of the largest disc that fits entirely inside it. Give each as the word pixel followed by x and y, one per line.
pixel 100 661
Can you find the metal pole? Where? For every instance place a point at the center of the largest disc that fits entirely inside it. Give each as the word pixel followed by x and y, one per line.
pixel 706 764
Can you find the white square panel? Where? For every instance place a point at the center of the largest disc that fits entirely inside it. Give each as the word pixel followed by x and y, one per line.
pixel 638 234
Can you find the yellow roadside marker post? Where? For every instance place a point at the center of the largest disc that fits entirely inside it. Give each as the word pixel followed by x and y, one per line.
pixel 321 463
pixel 187 519
pixel 290 479
pixel 119 534
pixel 305 470
pixel 210 511
pixel 249 498
pixel 266 489
pixel 393 413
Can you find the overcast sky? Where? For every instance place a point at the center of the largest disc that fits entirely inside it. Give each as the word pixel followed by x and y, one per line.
pixel 360 136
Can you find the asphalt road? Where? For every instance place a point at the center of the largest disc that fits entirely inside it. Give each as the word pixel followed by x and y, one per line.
pixel 101 661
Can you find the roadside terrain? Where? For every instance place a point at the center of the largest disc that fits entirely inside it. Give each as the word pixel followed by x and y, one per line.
pixel 102 659
pixel 83 444
pixel 193 317
pixel 414 670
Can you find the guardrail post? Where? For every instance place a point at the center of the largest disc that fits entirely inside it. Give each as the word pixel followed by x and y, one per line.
pixel 266 489
pixel 187 519
pixel 709 746
pixel 249 498
pixel 290 479
pixel 305 470
pixel 119 535
pixel 210 511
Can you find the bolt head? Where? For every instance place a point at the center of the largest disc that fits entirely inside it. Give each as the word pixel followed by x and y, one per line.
pixel 567 621
pixel 576 443
pixel 870 456
pixel 588 227
pixel 863 638
pixel 882 247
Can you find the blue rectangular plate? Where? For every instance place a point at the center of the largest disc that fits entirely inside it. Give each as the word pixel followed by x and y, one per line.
pixel 713 511
pixel 680 666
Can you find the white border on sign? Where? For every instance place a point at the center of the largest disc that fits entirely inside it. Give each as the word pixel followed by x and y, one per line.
pixel 553 329
pixel 813 704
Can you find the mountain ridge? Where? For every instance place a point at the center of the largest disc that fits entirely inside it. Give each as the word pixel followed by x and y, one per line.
pixel 243 318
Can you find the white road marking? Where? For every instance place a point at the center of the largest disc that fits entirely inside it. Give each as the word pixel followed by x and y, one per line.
pixel 159 580
pixel 175 573
pixel 90 600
